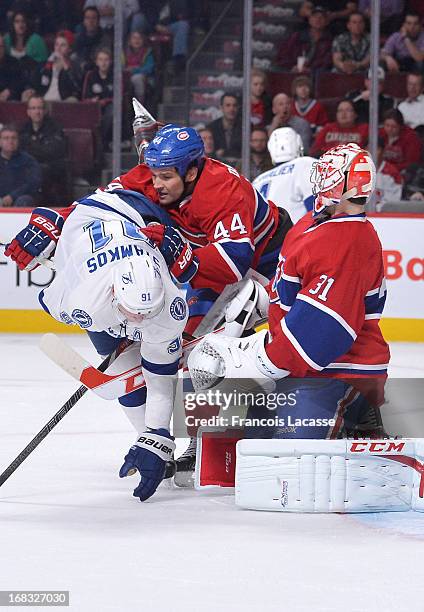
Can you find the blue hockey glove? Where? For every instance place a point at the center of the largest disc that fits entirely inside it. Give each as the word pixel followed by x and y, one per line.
pixel 177 252
pixel 37 239
pixel 148 456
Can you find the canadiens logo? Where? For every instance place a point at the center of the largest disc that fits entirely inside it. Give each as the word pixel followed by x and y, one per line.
pixel 183 135
pixel 82 318
pixel 178 309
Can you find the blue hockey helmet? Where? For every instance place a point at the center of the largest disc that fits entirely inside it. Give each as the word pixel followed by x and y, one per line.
pixel 175 146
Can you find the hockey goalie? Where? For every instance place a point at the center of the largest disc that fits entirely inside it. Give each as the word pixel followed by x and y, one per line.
pixel 326 300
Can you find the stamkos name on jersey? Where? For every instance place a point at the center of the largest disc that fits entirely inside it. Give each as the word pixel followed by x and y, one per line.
pixel 111 255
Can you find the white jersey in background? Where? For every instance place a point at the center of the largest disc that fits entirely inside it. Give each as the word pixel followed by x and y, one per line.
pixel 288 186
pixel 93 242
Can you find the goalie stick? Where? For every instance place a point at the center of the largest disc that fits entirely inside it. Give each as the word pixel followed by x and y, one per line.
pixel 56 419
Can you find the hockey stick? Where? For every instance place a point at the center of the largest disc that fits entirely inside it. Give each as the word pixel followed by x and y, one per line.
pixel 43 261
pixel 55 419
pixel 125 377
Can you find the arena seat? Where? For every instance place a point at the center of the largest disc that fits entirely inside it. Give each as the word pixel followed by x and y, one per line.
pixel 333 84
pixel 330 105
pixel 280 82
pixel 395 85
pixel 14 113
pixel 81 150
pixel 76 114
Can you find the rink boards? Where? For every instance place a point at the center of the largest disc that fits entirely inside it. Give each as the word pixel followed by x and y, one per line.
pixel 400 234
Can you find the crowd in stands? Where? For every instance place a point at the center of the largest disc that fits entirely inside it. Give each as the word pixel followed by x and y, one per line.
pixel 332 46
pixel 61 51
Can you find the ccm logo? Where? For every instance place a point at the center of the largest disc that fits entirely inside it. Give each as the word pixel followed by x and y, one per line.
pixel 395 267
pixel 376 447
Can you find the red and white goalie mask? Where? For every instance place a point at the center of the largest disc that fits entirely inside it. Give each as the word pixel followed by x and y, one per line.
pixel 345 172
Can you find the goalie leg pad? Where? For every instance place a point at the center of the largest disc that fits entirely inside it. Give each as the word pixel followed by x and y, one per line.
pixel 330 475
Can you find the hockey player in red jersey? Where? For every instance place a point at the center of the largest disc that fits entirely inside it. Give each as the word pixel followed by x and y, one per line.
pixel 231 229
pixel 327 295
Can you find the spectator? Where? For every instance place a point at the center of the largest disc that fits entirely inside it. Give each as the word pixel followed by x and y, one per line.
pixel 22 42
pixel 28 48
pixel 309 50
pixel 226 130
pixel 345 129
pixel 106 10
pixel 390 14
pixel 260 102
pixel 389 181
pixel 305 106
pixel 283 117
pixel 177 24
pixel 412 108
pixel 351 49
pixel 98 87
pixel 415 182
pixel 361 98
pixel 44 139
pixel 89 38
pixel 20 173
pixel 402 147
pixel 404 50
pixel 11 78
pixel 140 64
pixel 207 137
pixel 260 159
pixel 60 78
pixel 338 12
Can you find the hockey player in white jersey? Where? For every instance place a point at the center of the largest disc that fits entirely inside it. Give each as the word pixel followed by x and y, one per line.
pixel 288 185
pixel 112 281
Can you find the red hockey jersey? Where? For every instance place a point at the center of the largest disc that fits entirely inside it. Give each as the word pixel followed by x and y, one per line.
pixel 225 219
pixel 327 298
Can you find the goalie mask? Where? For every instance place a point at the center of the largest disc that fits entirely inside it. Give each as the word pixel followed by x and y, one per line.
pixel 284 144
pixel 345 172
pixel 138 291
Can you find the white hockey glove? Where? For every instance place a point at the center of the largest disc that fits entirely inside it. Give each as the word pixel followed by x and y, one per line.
pixel 218 357
pixel 245 310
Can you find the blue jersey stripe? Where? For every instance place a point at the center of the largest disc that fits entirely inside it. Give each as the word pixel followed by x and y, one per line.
pixel 287 291
pixel 321 337
pixel 163 369
pixel 240 253
pixel 375 303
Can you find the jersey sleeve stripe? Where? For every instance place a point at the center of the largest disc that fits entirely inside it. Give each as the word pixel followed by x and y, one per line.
pixel 330 312
pixel 247 240
pixel 288 291
pixel 322 338
pixel 291 279
pixel 298 347
pixel 227 259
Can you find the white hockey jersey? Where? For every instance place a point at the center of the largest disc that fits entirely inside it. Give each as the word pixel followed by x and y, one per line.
pixel 93 241
pixel 288 185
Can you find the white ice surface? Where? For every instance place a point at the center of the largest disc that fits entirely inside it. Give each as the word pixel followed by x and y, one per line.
pixel 68 522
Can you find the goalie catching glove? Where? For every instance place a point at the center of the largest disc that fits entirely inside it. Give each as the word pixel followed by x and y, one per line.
pixel 37 240
pixel 149 456
pixel 219 357
pixel 177 252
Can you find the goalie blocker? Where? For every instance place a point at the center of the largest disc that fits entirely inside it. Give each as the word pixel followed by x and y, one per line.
pixel 345 475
